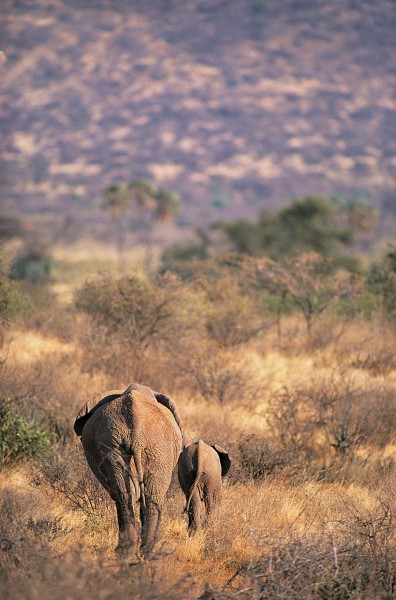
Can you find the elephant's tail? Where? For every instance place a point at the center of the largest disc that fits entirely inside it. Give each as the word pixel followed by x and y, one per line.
pixel 197 475
pixel 137 459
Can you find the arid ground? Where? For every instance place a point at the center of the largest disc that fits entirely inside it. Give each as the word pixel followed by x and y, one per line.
pixel 309 504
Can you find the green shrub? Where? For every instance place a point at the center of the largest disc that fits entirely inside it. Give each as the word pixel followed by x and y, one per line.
pixel 20 438
pixel 33 266
pixel 174 257
pixel 11 300
pixel 307 224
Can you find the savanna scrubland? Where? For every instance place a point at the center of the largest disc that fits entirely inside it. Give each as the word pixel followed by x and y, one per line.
pixel 288 363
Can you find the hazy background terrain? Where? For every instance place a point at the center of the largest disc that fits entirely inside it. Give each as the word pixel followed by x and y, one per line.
pixel 234 105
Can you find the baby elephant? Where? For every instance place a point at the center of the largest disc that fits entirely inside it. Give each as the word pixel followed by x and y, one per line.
pixel 200 470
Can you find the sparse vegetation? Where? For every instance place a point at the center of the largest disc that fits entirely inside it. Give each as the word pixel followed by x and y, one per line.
pixel 309 503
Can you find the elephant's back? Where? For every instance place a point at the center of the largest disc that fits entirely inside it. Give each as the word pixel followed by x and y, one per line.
pixel 188 462
pixel 138 423
pixel 167 424
pixel 154 422
pixel 149 423
pixel 200 458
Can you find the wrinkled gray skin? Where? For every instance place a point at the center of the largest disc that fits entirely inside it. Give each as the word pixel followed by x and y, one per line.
pixel 200 470
pixel 132 441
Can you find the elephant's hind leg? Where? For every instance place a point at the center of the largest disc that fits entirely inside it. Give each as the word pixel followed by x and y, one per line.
pixel 119 477
pixel 212 501
pixel 194 512
pixel 150 516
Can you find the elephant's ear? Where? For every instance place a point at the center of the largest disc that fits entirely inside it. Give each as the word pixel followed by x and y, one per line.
pixel 225 460
pixel 91 406
pixel 170 405
pixel 79 424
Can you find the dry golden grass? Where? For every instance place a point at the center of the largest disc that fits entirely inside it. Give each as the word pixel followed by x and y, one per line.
pixel 27 346
pixel 45 537
pixel 254 518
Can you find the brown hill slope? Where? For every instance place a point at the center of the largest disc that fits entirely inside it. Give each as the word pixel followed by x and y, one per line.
pixel 235 104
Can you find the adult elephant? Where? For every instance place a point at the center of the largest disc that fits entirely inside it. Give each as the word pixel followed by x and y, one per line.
pixel 200 469
pixel 132 441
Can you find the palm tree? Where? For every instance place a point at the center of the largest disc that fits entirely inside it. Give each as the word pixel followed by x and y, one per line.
pixel 147 205
pixel 116 200
pixel 156 205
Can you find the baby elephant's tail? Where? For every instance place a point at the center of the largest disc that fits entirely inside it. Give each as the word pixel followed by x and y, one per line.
pixel 197 475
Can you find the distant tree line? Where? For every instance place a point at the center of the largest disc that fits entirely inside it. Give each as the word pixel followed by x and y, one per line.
pixel 311 223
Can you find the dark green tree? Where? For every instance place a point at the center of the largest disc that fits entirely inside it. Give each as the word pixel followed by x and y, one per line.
pixel 153 205
pixel 362 216
pixel 179 256
pixel 33 266
pixel 311 223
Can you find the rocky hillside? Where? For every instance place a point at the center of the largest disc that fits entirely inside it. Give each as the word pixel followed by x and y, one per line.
pixel 235 104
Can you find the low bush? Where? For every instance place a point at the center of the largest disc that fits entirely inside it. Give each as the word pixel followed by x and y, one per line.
pixel 329 425
pixel 49 388
pixel 217 376
pixel 260 459
pixel 66 472
pixel 20 438
pixel 128 317
pixel 74 574
pixel 295 569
